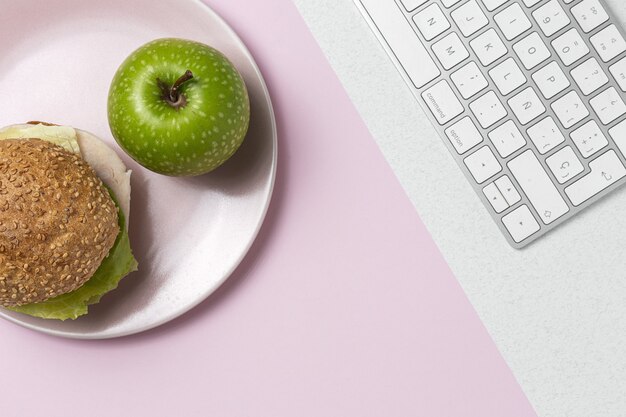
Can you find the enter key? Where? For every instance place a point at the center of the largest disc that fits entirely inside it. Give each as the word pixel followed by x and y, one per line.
pixel 606 170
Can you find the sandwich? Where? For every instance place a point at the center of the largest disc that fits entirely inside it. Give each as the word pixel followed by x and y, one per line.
pixel 64 210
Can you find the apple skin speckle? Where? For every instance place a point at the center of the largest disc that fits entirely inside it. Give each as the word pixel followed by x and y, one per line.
pixel 187 141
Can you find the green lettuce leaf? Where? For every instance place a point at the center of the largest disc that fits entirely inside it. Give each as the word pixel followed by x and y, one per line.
pixel 118 263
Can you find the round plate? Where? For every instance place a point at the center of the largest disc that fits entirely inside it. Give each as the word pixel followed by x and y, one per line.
pixel 188 234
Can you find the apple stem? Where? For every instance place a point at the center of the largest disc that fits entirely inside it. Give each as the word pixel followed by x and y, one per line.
pixel 171 94
pixel 188 75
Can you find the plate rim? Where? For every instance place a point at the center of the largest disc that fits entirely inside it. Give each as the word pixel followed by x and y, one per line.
pixel 218 283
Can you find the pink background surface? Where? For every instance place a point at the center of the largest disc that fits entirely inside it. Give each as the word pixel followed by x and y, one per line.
pixel 343 307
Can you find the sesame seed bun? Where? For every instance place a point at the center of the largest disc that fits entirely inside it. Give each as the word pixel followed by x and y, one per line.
pixel 57 219
pixel 104 160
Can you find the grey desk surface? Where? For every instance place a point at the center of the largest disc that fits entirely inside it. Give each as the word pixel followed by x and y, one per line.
pixel 556 310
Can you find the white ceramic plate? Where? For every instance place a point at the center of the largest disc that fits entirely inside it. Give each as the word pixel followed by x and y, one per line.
pixel 57 58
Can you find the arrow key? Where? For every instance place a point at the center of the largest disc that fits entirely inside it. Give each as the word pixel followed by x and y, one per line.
pixel 508 190
pixel 495 198
pixel 483 164
pixel 520 223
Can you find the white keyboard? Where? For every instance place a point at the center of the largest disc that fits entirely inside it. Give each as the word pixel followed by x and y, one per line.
pixel 527 95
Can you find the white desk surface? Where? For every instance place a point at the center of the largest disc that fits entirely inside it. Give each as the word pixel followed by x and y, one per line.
pixel 556 310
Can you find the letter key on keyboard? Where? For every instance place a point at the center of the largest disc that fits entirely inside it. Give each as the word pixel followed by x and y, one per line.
pixel 529 96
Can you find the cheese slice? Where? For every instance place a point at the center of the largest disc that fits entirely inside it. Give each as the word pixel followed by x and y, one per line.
pixel 64 136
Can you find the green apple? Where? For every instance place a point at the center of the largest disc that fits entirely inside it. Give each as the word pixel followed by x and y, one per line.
pixel 178 107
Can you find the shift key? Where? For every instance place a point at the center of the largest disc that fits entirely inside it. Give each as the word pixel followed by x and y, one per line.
pixel 538 187
pixel 606 170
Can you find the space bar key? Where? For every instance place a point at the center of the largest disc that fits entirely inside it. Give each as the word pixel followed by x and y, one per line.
pixel 402 40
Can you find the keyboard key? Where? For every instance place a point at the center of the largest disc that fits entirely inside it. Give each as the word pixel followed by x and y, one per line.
pixel 531 50
pixel 402 39
pixel 469 18
pixel 618 133
pixel 507 139
pixel 564 164
pixel 608 105
pixel 538 187
pixel 545 135
pixel 449 3
pixel 618 70
pixel 431 22
pixel 570 109
pixel 551 17
pixel 507 189
pixel 606 170
pixel 570 47
pixel 482 164
pixel 488 109
pixel 589 14
pixel 520 223
pixel 531 3
pixel 492 5
pixel 469 80
pixel 513 21
pixel 507 76
pixel 496 199
pixel 411 5
pixel 464 135
pixel 589 76
pixel 442 102
pixel 450 51
pixel 527 106
pixel 609 43
pixel 589 139
pixel 551 80
pixel 488 47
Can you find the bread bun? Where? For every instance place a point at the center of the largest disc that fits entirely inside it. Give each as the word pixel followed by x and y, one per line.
pixel 104 160
pixel 57 219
